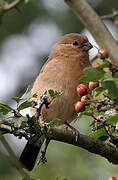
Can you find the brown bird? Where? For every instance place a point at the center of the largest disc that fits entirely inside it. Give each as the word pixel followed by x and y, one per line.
pixel 61 72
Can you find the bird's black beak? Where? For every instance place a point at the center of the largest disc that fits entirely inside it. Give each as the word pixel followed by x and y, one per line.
pixel 87 46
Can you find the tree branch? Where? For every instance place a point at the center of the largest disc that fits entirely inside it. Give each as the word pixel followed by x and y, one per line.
pixel 86 142
pixel 12 4
pixel 95 25
pixel 91 144
pixel 5 6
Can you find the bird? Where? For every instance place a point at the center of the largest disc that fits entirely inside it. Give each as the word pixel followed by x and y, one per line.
pixel 61 72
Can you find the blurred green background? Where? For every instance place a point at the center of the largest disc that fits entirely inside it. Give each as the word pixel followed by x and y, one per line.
pixel 27 35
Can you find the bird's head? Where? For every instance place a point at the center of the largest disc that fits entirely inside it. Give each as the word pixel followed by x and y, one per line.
pixel 72 44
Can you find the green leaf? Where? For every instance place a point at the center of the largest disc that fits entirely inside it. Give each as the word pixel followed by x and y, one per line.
pixel 17 122
pixel 112 119
pixel 86 102
pixel 98 133
pixel 35 95
pixel 27 95
pixel 5 109
pixel 17 99
pixel 24 105
pixel 54 94
pixel 86 118
pixel 111 86
pixel 92 74
pixel 115 75
pixel 34 121
pixel 108 76
pixel 103 65
pixel 87 113
pixel 53 123
pixel 98 91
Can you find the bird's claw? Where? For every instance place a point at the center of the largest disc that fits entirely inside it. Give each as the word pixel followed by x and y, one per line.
pixel 75 131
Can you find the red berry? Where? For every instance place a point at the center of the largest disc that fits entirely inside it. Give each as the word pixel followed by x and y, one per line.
pixel 82 89
pixel 116 22
pixel 93 85
pixel 112 178
pixel 103 53
pixel 79 106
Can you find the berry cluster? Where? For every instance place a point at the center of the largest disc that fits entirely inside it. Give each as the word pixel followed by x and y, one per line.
pixel 104 108
pixel 84 92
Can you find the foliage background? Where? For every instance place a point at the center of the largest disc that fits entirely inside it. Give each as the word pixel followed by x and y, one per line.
pixel 26 38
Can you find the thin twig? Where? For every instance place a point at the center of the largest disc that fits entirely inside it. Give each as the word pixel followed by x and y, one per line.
pixel 13 159
pixel 11 5
pixel 95 25
pixel 110 16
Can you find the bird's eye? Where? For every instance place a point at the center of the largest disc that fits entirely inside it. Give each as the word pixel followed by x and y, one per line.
pixel 75 43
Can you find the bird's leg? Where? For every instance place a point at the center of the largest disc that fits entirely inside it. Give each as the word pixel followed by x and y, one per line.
pixel 75 131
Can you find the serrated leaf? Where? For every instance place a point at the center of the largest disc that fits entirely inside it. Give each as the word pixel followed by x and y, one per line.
pixel 88 111
pixel 86 102
pixel 5 109
pixel 17 99
pixel 89 108
pixel 115 75
pixel 17 122
pixel 98 91
pixel 85 113
pixel 111 86
pixel 112 119
pixel 103 65
pixel 34 121
pixel 92 74
pixel 98 133
pixel 24 105
pixel 53 123
pixel 54 94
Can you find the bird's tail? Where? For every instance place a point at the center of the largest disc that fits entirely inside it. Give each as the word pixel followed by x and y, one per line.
pixel 29 155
